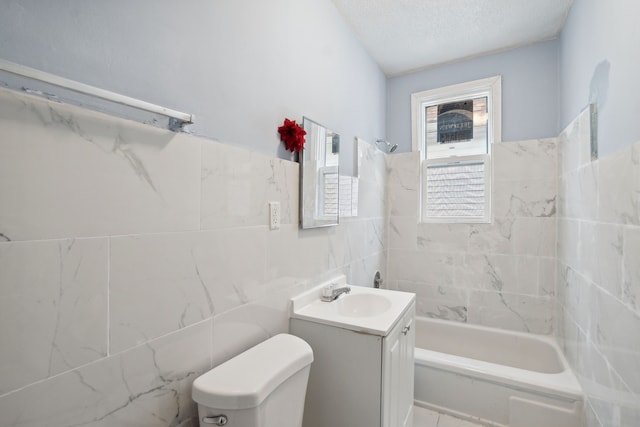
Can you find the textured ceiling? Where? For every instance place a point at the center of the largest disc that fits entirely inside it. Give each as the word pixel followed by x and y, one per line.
pixel 408 35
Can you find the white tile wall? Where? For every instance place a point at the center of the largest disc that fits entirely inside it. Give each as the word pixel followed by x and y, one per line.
pixel 68 175
pixel 236 182
pixel 53 308
pixel 598 280
pixel 500 274
pixel 147 385
pixel 133 259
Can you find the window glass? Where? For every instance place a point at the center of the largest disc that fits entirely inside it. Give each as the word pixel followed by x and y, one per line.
pixel 456 128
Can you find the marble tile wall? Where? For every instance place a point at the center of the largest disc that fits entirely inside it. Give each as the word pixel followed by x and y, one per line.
pixel 500 274
pixel 133 259
pixel 598 274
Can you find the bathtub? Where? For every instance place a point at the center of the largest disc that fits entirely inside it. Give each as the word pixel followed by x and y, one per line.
pixel 494 377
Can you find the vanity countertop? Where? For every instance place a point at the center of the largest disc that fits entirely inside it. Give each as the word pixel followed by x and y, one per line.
pixel 363 309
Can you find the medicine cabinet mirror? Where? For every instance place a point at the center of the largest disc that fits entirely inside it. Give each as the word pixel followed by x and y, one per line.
pixel 319 176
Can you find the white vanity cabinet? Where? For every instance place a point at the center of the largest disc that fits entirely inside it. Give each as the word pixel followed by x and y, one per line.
pixel 360 378
pixel 397 373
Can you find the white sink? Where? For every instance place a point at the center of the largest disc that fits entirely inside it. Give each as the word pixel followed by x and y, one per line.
pixel 367 310
pixel 362 305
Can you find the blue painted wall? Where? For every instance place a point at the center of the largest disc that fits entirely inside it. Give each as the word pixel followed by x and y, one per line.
pixel 241 73
pixel 530 87
pixel 600 61
pixel 240 66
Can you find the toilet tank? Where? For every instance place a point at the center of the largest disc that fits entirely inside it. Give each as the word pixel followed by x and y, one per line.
pixel 263 387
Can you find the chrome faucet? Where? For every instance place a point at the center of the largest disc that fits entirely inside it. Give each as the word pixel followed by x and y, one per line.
pixel 330 293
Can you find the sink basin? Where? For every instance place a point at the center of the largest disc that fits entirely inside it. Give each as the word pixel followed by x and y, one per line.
pixel 362 305
pixel 365 310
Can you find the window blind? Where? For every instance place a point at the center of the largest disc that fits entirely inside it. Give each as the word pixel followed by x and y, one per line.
pixel 456 190
pixel 330 193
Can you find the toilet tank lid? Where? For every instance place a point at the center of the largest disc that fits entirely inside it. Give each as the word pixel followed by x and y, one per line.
pixel 247 379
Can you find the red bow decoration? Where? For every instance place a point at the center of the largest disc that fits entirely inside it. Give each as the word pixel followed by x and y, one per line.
pixel 292 135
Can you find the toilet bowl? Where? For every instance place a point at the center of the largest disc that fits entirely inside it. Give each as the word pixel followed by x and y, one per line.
pixel 263 387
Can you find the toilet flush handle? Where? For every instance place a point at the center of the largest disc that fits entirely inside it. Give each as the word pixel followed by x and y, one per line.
pixel 218 420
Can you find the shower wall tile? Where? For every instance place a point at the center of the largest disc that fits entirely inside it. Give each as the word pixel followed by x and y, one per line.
pixel 524 178
pixel 403 232
pixel 430 268
pixel 575 291
pixel 615 333
pixel 438 302
pixel 581 200
pixel 147 385
pixel 599 383
pixel 631 264
pixel 547 279
pixel 68 172
pixel 568 335
pixel 501 273
pixel 363 270
pixel 372 200
pixel 619 180
pixel 521 312
pixel 404 170
pixel 508 235
pixel 161 283
pixel 359 239
pixel 371 163
pixel 569 242
pixel 575 144
pixel 372 181
pixel 601 254
pixel 403 201
pixel 597 279
pixel 365 237
pixel 53 308
pixel 446 237
pixel 532 160
pixel 528 198
pixel 590 417
pixel 514 255
pixel 403 184
pixel 496 237
pixel 534 236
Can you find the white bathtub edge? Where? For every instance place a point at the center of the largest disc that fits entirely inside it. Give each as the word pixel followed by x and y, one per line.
pixel 564 384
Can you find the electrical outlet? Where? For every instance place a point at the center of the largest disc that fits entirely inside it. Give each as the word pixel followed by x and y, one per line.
pixel 274 215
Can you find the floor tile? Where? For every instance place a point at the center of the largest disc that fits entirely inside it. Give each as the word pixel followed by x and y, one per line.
pixel 424 417
pixel 449 421
pixel 427 418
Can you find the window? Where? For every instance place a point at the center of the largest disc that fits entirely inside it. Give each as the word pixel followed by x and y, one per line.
pixel 453 128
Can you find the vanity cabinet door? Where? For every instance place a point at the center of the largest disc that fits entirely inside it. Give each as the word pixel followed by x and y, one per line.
pixel 406 370
pixel 398 367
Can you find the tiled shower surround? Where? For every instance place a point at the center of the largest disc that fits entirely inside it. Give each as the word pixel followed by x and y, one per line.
pixel 133 259
pixel 598 290
pixel 548 197
pixel 500 274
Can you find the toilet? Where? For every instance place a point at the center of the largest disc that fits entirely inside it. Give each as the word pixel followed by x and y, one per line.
pixel 263 387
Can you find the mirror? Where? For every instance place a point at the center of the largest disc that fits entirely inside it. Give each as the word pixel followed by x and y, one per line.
pixel 319 176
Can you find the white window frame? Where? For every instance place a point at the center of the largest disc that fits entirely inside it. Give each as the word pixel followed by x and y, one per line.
pixel 491 88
